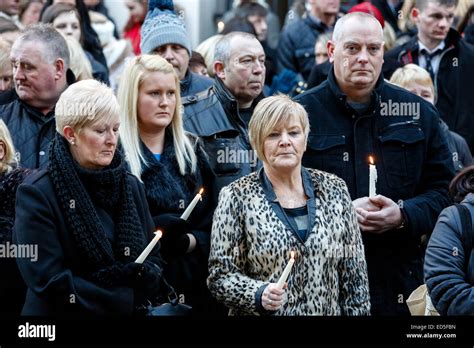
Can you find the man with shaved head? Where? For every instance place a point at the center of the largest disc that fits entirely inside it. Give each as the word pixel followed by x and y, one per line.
pixel 355 114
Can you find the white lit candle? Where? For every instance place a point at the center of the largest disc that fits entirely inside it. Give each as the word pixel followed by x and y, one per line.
pixel 149 247
pixel 372 177
pixel 281 282
pixel 191 206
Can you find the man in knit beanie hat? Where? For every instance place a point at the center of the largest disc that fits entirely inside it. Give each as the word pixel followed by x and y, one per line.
pixel 164 33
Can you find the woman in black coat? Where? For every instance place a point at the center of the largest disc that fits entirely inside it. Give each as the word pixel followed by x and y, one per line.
pixel 87 217
pixel 449 260
pixel 12 287
pixel 173 167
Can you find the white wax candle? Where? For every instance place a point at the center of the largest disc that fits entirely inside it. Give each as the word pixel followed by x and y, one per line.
pixel 372 178
pixel 191 206
pixel 281 282
pixel 149 247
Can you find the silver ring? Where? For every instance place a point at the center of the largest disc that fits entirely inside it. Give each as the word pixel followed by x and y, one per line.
pixel 269 301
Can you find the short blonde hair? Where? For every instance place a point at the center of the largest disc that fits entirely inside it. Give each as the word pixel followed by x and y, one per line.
pixel 412 73
pixel 270 112
pixel 85 103
pixel 8 161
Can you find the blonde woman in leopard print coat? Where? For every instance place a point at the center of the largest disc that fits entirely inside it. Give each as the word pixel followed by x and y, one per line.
pixel 285 207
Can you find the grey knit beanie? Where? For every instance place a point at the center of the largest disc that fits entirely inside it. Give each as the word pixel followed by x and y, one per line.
pixel 163 26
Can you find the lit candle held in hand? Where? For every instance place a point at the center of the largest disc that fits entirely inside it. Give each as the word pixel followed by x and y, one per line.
pixel 372 177
pixel 191 206
pixel 286 272
pixel 149 247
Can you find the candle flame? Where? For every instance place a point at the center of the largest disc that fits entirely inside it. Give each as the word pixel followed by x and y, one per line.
pixel 201 190
pixel 371 160
pixel 292 254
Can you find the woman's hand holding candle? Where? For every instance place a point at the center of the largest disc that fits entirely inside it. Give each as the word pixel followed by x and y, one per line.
pixel 273 297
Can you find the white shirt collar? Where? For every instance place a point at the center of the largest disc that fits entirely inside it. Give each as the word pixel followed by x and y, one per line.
pixel 422 47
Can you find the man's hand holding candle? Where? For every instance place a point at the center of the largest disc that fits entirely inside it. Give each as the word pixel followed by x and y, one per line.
pixel 378 214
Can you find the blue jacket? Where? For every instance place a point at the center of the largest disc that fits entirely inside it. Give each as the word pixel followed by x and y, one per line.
pixel 449 284
pixel 414 169
pixel 194 83
pixel 296 46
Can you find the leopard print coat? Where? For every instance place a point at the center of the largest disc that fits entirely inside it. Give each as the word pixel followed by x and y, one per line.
pixel 250 247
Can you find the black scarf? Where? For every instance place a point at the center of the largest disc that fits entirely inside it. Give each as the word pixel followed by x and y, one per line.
pixel 78 190
pixel 166 188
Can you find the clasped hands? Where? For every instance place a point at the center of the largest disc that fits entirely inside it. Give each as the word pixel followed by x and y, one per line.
pixel 377 214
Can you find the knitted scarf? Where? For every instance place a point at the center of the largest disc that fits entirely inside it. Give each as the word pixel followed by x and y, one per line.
pixel 78 190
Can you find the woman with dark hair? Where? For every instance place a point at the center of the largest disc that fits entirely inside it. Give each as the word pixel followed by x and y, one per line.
pixel 449 264
pixel 87 217
pixel 89 39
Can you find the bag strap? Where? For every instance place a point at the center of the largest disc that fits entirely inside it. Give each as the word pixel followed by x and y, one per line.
pixel 467 233
pixel 170 292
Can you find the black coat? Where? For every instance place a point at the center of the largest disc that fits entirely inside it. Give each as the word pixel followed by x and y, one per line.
pixel 450 284
pixel 414 168
pixel 30 130
pixel 57 277
pixel 388 14
pixel 168 191
pixel 455 101
pixel 12 288
pixel 319 74
pixel 213 115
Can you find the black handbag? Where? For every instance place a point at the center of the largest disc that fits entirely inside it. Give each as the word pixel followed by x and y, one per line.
pixel 171 308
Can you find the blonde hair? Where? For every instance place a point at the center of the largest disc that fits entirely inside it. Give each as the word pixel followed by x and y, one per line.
pixel 389 37
pixel 85 103
pixel 5 49
pixel 136 72
pixel 80 65
pixel 270 112
pixel 7 163
pixel 206 49
pixel 412 73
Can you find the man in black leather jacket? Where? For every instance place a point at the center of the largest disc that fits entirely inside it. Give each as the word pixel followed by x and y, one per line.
pixel 220 114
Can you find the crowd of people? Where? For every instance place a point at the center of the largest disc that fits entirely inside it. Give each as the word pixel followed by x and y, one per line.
pixel 330 153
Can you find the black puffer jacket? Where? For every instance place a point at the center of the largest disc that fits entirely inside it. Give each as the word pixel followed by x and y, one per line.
pixel 214 116
pixel 31 131
pixel 456 73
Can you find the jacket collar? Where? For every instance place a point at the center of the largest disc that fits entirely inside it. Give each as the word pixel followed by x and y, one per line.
pixel 410 53
pixel 186 82
pixel 227 99
pixel 268 187
pixel 341 97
